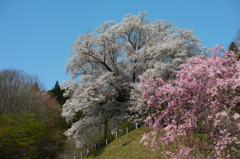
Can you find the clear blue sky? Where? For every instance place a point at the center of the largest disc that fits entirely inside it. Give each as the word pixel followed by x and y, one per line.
pixel 35 35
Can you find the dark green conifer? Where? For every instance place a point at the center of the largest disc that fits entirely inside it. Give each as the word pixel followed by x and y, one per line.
pixel 233 47
pixel 58 93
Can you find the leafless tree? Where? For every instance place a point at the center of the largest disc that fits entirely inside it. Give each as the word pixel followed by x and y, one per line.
pixel 18 91
pixel 237 37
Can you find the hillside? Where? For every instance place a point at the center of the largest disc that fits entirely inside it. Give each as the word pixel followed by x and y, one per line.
pixel 127 147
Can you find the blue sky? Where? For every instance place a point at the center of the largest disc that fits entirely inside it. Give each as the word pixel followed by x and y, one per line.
pixel 35 35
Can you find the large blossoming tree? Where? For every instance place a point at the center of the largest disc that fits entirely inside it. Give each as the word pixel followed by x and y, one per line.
pixel 109 61
pixel 203 107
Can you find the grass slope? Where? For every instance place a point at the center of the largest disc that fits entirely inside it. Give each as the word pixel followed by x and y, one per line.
pixel 127 147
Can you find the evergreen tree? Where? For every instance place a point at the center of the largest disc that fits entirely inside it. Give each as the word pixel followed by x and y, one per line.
pixel 58 93
pixel 233 47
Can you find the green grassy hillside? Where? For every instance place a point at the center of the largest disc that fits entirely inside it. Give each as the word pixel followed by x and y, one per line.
pixel 127 147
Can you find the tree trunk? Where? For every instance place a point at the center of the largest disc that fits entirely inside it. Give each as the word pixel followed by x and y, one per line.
pixel 100 123
pixel 110 134
pixel 105 129
pixel 134 77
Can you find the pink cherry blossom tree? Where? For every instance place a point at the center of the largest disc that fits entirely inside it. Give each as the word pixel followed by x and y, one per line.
pixel 202 107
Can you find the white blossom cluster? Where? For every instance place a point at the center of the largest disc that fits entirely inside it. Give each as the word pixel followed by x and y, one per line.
pixel 109 61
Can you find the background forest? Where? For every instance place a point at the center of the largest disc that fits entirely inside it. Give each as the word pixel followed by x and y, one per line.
pixel 30 121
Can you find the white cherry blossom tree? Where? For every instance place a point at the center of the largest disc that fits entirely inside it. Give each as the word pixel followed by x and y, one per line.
pixel 109 61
